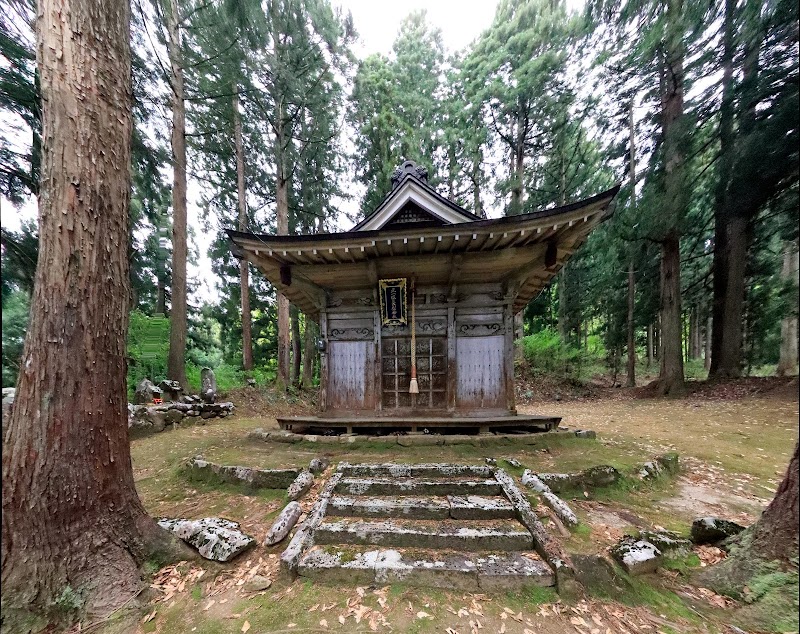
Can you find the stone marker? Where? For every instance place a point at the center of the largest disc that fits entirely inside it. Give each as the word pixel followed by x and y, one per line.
pixel 172 390
pixel 214 538
pixel 301 484
pixel 208 389
pixel 318 465
pixel 669 543
pixel 145 392
pixel 711 530
pixel 283 523
pixel 636 556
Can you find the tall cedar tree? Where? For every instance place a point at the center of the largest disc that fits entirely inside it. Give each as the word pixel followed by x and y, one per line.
pixel 71 515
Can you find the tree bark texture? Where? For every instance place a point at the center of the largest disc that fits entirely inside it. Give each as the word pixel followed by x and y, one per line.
pixel 789 275
pixel 649 345
pixel 675 201
pixel 707 344
pixel 176 361
pixel 631 382
pixel 282 206
pixel 244 277
pixel 732 210
pixel 775 535
pixel 309 354
pixel 296 346
pixel 631 370
pixel 731 238
pixel 71 515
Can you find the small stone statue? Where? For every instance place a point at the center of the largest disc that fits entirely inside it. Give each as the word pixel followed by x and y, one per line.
pixel 208 385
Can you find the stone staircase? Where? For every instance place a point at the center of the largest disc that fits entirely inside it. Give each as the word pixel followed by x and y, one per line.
pixel 449 526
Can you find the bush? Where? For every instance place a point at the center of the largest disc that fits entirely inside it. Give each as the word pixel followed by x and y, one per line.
pixel 546 353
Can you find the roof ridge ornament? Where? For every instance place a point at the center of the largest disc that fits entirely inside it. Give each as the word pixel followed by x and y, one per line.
pixel 409 167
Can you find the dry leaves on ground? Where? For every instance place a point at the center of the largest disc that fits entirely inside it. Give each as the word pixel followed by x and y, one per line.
pixel 709 555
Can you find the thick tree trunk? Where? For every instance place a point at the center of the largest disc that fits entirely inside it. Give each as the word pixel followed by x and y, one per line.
pixel 671 375
pixel 732 214
pixel 282 205
pixel 675 201
pixel 694 333
pixel 309 354
pixel 732 236
pixel 296 347
pixel 244 278
pixel 707 344
pixel 71 516
pixel 518 164
pixel 789 275
pixel 176 361
pixel 631 326
pixel 775 535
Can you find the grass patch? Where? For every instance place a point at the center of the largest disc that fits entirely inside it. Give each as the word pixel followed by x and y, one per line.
pixel 683 565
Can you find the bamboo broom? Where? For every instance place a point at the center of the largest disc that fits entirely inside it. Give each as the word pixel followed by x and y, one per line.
pixel 413 387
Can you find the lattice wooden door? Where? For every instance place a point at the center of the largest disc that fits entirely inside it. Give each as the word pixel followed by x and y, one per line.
pixel 431 373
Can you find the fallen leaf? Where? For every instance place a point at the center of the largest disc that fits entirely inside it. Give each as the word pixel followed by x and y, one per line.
pixel 341 619
pixel 323 623
pixel 423 615
pixel 245 626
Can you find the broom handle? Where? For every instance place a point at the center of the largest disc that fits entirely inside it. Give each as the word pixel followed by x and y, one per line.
pixel 413 333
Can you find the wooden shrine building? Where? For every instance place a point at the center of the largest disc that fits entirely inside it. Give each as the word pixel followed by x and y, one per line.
pixel 459 278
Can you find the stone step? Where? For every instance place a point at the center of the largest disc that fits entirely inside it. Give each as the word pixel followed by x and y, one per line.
pixel 465 507
pixel 417 487
pixel 503 535
pixel 470 572
pixel 423 470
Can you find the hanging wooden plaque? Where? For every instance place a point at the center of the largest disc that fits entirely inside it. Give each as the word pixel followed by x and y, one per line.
pixel 393 301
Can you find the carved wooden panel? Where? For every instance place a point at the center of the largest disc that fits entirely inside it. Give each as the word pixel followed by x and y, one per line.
pixel 361 329
pixel 350 375
pixel 426 327
pixel 480 372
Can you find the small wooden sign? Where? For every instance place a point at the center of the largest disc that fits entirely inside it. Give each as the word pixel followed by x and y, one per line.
pixel 393 301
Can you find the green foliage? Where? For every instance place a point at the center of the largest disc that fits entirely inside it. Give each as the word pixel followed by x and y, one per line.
pixel 15 324
pixel 545 352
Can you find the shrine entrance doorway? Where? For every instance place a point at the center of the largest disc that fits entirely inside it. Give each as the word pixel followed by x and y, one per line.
pixel 431 357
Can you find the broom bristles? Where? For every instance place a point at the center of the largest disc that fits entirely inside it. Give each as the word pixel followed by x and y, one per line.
pixel 413 387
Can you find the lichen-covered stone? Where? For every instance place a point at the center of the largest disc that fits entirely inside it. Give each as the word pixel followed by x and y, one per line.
pixel 555 503
pixel 173 416
pixel 251 476
pixel 669 543
pixel 419 508
pixel 301 484
pixel 283 523
pixel 670 462
pixel 712 530
pixel 636 556
pixel 479 507
pixel 390 533
pixel 145 392
pixel 318 465
pixel 585 433
pixel 513 462
pixel 416 487
pixel 599 476
pixel 214 538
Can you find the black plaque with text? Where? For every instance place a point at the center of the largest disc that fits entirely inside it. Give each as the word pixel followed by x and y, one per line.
pixel 393 301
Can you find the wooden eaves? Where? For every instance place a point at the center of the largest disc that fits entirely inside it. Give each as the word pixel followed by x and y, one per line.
pixel 524 252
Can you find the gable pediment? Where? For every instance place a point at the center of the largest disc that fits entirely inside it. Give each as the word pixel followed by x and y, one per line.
pixel 414 202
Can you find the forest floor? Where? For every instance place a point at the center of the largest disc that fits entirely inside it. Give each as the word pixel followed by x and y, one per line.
pixel 734 443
